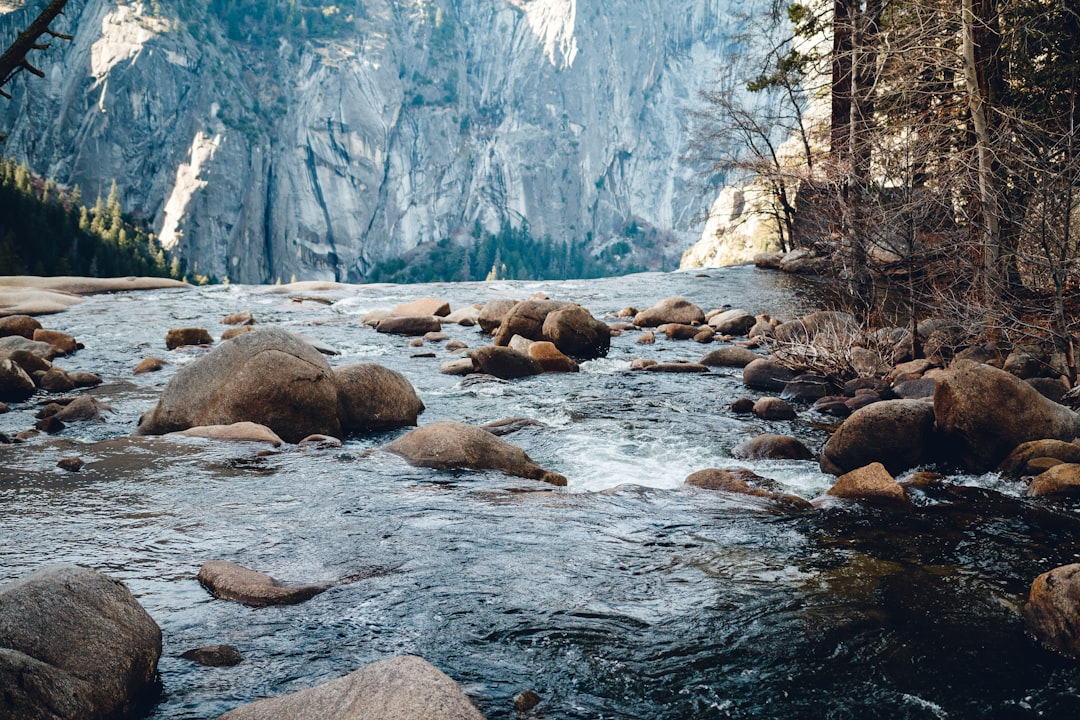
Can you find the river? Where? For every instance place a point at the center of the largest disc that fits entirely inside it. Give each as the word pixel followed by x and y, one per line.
pixel 624 595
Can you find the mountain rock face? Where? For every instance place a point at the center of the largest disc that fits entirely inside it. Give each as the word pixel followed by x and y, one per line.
pixel 259 152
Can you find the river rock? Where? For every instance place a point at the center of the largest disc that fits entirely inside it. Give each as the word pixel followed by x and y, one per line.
pixel 670 310
pixel 678 331
pixel 424 307
pixel 982 413
pixel 732 322
pixel 1060 479
pixel 15 384
pixel 576 332
pixel 871 483
pixel 181 337
pixel 768 260
pixel 266 376
pixel 400 688
pixel 773 408
pixel 464 316
pixel 551 359
pixel 899 434
pixel 729 356
pixel 236 432
pixel 14 343
pixel 1016 464
pixel 449 445
pixel 677 366
pixel 842 324
pixel 1050 388
pixel 767 374
pixel 83 379
pixel 742 482
pixel 493 314
pixel 56 380
pixel 71 464
pixel 82 409
pixel 503 362
pixel 150 364
pixel 244 317
pixel 915 389
pixel 372 397
pixel 74 645
pixel 64 343
pixel 214 656
pixel 21 325
pixel 771 447
pixel 29 362
pixel 526 700
pixel 807 388
pixel 229 581
pixel 1052 611
pixel 462 366
pixel 413 326
pixel 647 338
pixel 527 320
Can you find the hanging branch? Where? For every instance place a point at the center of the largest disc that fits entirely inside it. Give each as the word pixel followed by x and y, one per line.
pixel 14 60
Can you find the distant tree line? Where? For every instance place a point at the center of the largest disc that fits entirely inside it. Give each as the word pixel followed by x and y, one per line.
pixel 510 254
pixel 45 230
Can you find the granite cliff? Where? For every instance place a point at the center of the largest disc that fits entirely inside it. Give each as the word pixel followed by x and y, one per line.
pixel 259 154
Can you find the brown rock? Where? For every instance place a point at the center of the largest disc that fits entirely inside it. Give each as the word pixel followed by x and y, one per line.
pixel 83 408
pixel 526 700
pixel 576 332
pixel 773 408
pixel 1061 479
pixel 229 581
pixel 899 434
pixel 493 314
pixel 982 413
pixel 732 322
pixel 704 335
pixel 214 656
pixel 642 363
pixel 768 260
pixel 551 359
pixel 21 325
pixel 150 364
pixel 871 483
pixel 743 406
pixel 647 338
pixel 14 344
pixel 372 397
pixel 236 331
pixel 424 307
pixel 401 688
pixel 1016 463
pixel 527 320
pixel 84 379
pixel 449 445
pixel 464 366
pixel 49 425
pixel 266 376
pixel 1050 388
pixel 75 644
pixel 767 374
pixel 55 380
pixel 676 331
pixel 244 317
pixel 455 345
pixel 503 362
pixel 771 447
pixel 436 337
pixel 65 344
pixel 180 337
pixel 319 442
pixel 15 384
pixel 464 316
pixel 415 325
pixel 807 388
pixel 236 432
pixel 29 362
pixel 729 356
pixel 1052 611
pixel 915 389
pixel 71 464
pixel 670 310
pixel 677 367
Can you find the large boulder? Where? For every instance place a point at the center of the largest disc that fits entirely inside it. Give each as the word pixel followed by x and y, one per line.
pixel 229 581
pixel 1059 479
pixel 772 447
pixel 982 413
pixel 15 384
pixel 670 310
pixel 576 332
pixel 237 432
pixel 21 325
pixel 492 314
pixel 767 374
pixel 400 688
pixel 267 376
pixel 372 397
pixel 899 434
pixel 1052 612
pixel 527 320
pixel 74 644
pixel 449 445
pixel 729 356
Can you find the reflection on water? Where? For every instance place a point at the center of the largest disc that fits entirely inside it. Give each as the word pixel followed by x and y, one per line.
pixel 623 596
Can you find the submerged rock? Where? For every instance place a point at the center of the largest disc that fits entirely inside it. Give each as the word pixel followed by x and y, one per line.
pixel 236 432
pixel 1052 612
pixel 74 644
pixel 214 656
pixel 450 445
pixel 401 688
pixel 229 581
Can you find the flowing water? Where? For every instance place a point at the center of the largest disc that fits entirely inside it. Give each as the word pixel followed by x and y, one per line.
pixel 624 595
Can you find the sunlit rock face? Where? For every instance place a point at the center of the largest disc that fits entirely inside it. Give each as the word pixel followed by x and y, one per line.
pixel 277 156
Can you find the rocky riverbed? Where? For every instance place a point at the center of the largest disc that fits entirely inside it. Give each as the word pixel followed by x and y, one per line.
pixel 761 587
